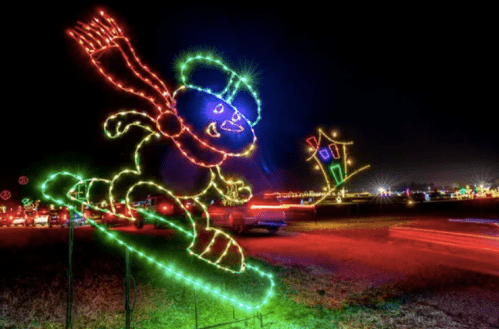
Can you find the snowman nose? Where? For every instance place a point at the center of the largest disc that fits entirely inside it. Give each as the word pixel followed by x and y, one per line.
pixel 231 126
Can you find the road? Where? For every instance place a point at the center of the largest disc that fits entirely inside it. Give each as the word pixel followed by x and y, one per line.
pixel 390 245
pixel 381 251
pixel 450 266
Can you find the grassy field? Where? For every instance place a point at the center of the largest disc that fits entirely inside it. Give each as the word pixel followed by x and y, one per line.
pixel 33 293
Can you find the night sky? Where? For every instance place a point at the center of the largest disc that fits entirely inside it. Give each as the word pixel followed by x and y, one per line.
pixel 364 72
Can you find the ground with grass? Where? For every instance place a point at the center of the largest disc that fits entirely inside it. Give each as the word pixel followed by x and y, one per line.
pixel 33 293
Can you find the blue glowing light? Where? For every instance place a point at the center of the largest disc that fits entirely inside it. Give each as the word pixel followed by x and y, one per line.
pixel 324 154
pixel 218 121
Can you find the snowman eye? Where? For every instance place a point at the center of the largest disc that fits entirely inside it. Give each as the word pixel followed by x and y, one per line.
pixel 218 109
pixel 236 117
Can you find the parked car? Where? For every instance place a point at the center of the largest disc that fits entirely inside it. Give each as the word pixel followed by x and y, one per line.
pixel 57 217
pixel 110 218
pixel 259 212
pixel 77 221
pixel 167 208
pixel 18 217
pixel 296 209
pixel 61 216
pixel 6 217
pixel 42 215
pixel 93 214
pixel 30 216
pixel 420 197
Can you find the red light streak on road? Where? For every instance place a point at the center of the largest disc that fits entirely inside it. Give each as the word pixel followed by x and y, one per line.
pixel 446 232
pixel 284 206
pixel 460 240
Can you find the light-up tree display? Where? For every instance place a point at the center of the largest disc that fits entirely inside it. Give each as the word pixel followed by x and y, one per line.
pixel 331 158
pixel 163 122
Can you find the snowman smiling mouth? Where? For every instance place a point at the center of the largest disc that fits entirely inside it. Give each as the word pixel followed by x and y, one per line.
pixel 212 130
pixel 227 125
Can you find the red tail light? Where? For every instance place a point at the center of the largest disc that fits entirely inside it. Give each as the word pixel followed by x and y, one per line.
pixel 165 208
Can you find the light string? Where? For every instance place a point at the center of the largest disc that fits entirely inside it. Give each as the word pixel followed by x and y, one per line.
pixel 108 35
pixel 164 122
pixel 169 270
pixel 138 172
pixel 209 59
pixel 335 168
pixel 215 172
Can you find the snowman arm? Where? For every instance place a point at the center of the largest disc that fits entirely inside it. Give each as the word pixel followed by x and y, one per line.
pixel 119 123
pixel 230 188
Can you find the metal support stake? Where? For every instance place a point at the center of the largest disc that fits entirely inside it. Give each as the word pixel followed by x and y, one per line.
pixel 261 320
pixel 196 307
pixel 233 312
pixel 69 309
pixel 127 288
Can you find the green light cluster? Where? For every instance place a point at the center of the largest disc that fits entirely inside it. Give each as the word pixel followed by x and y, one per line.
pixel 337 177
pixel 227 95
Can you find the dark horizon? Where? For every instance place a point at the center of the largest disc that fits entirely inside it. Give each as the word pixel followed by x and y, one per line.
pixel 364 73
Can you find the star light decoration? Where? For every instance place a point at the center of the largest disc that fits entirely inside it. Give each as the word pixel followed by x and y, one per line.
pixel 331 158
pixel 163 122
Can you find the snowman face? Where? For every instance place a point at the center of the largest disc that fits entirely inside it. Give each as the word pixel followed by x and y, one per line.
pixel 222 111
pixel 216 123
pixel 219 107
